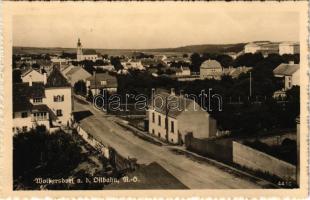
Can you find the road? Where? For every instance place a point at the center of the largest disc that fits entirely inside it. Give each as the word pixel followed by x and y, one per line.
pixel 195 175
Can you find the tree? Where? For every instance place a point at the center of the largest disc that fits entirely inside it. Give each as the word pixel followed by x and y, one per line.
pixel 17 76
pixel 80 88
pixel 39 154
pixel 116 62
pixel 196 62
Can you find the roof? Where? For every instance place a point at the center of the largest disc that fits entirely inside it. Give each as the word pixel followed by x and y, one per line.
pixel 22 92
pixel 95 80
pixel 89 52
pixel 56 79
pixel 286 69
pixel 74 70
pixel 177 104
pixel 152 176
pixel 211 64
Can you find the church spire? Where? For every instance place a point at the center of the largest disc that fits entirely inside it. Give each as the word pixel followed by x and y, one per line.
pixel 79 42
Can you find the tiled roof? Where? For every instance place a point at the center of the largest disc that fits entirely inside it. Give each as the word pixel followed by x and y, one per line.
pixel 95 80
pixel 164 100
pixel 89 52
pixel 56 79
pixel 22 92
pixel 286 69
pixel 210 64
pixel 74 70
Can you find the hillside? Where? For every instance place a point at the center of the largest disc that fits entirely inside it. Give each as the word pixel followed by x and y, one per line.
pixel 205 48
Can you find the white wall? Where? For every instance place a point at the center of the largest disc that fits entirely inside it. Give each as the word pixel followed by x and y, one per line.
pixel 65 106
pixel 172 137
pixel 257 160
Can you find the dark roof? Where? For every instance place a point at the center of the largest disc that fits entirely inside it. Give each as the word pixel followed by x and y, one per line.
pixel 22 92
pixel 95 80
pixel 152 176
pixel 21 103
pixel 56 79
pixel 164 100
pixel 286 69
pixel 89 52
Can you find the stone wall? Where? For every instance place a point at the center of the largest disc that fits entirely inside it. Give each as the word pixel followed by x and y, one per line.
pixel 256 160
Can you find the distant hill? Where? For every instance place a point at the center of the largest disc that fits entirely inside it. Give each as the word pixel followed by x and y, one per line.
pixel 204 48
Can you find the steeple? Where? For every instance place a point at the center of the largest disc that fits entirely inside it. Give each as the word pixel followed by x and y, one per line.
pixel 79 43
pixel 79 51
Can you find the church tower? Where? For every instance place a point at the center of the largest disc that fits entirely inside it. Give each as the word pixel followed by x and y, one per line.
pixel 79 51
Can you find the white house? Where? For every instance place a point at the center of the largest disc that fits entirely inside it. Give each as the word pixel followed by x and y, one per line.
pixel 183 71
pixel 288 48
pixel 251 48
pixel 32 75
pixel 290 74
pixel 211 69
pixel 82 54
pixel 171 117
pixel 48 103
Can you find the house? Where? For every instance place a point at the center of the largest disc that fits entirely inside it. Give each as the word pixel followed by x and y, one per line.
pixel 251 48
pixel 183 71
pixel 211 69
pixel 101 81
pixel 82 54
pixel 288 48
pixel 32 75
pixel 172 117
pixel 289 73
pixel 263 47
pixel 133 64
pixel 75 74
pixel 235 72
pixel 48 103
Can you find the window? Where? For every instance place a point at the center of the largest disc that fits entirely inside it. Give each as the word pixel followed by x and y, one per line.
pixel 59 112
pixel 172 126
pixel 153 117
pixel 24 128
pixel 59 98
pixel 37 100
pixel 13 129
pixel 153 132
pixel 24 114
pixel 158 134
pixel 159 120
pixel 103 82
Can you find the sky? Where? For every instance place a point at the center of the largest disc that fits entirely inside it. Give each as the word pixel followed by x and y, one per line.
pixel 135 28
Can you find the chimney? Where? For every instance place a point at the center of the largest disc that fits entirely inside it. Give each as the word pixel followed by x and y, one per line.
pixel 291 62
pixel 30 81
pixel 172 91
pixel 44 78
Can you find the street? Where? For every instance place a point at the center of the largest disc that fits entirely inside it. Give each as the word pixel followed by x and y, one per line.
pixel 195 175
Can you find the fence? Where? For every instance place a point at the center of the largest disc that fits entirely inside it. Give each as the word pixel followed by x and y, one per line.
pixel 120 163
pixel 256 160
pixel 218 149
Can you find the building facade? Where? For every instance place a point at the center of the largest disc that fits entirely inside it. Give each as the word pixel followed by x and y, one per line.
pixel 288 48
pixel 172 123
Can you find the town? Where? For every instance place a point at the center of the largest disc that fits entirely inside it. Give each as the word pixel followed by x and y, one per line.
pixel 155 127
